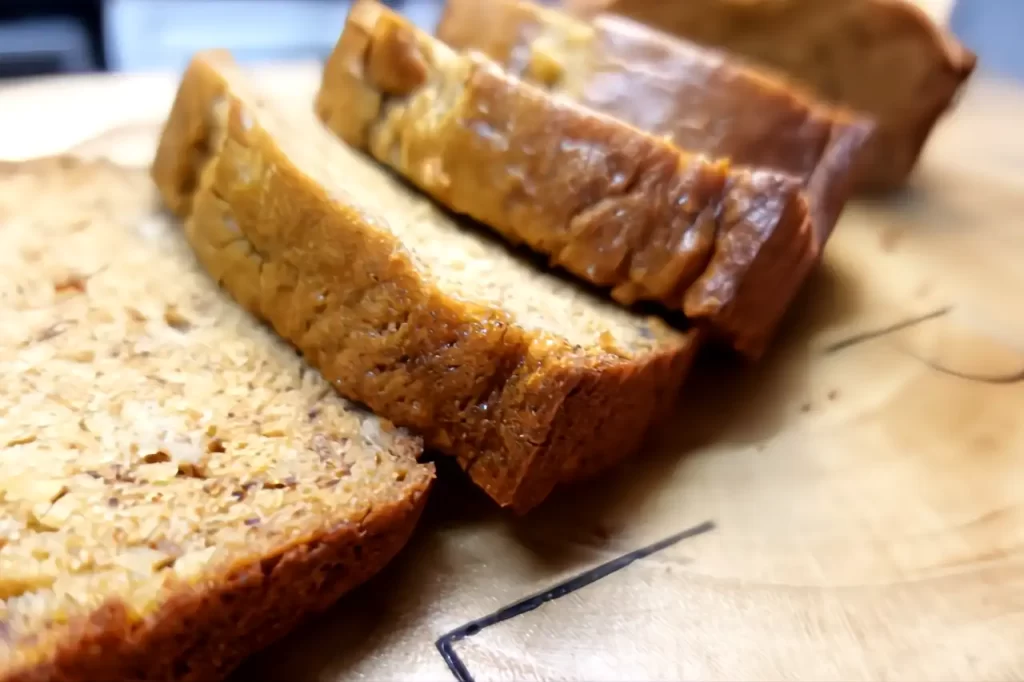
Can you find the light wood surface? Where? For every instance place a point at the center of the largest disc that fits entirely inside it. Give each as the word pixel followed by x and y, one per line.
pixel 867 492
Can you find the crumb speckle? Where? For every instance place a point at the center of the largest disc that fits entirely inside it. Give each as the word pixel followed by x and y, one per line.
pixel 156 458
pixel 52 331
pixel 122 465
pixel 175 319
pixel 72 283
pixel 135 314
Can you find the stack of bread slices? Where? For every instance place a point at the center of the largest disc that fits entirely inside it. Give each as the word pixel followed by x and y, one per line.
pixel 505 243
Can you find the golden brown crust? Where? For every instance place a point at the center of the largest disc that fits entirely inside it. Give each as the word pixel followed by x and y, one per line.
pixel 882 57
pixel 775 264
pixel 606 201
pixel 696 98
pixel 693 96
pixel 503 399
pixel 201 635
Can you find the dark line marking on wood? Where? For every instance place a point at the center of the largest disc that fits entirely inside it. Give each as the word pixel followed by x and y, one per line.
pixel 873 334
pixel 446 641
pixel 993 379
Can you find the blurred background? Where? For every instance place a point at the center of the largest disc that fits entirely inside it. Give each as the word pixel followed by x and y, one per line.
pixel 40 37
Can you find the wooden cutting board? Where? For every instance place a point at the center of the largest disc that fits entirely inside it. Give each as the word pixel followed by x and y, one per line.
pixel 861 492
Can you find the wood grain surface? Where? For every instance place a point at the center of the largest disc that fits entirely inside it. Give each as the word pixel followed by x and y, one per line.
pixel 866 482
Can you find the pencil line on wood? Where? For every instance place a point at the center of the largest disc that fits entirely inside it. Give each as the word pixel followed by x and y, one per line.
pixel 445 644
pixel 873 334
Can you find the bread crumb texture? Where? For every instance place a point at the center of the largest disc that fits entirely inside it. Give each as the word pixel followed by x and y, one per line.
pixel 178 488
pixel 526 378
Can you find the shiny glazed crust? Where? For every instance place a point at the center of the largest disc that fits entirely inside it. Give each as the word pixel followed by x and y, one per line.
pixel 885 58
pixel 521 410
pixel 694 96
pixel 606 201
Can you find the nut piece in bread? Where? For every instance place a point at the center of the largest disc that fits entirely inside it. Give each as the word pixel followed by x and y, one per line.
pixel 177 488
pixel 527 380
pixel 695 97
pixel 885 58
pixel 615 206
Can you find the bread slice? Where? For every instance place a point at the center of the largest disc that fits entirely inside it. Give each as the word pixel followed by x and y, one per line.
pixel 615 206
pixel 697 98
pixel 885 58
pixel 433 324
pixel 177 488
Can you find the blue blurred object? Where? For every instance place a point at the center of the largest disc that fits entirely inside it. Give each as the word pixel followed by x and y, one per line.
pixel 33 46
pixel 163 34
pixel 40 37
pixel 994 29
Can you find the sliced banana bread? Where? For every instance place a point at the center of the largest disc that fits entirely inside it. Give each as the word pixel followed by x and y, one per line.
pixel 432 323
pixel 885 58
pixel 177 488
pixel 695 97
pixel 612 204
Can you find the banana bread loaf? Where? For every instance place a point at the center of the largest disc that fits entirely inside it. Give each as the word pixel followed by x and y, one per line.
pixel 177 488
pixel 695 97
pixel 885 58
pixel 436 325
pixel 615 206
